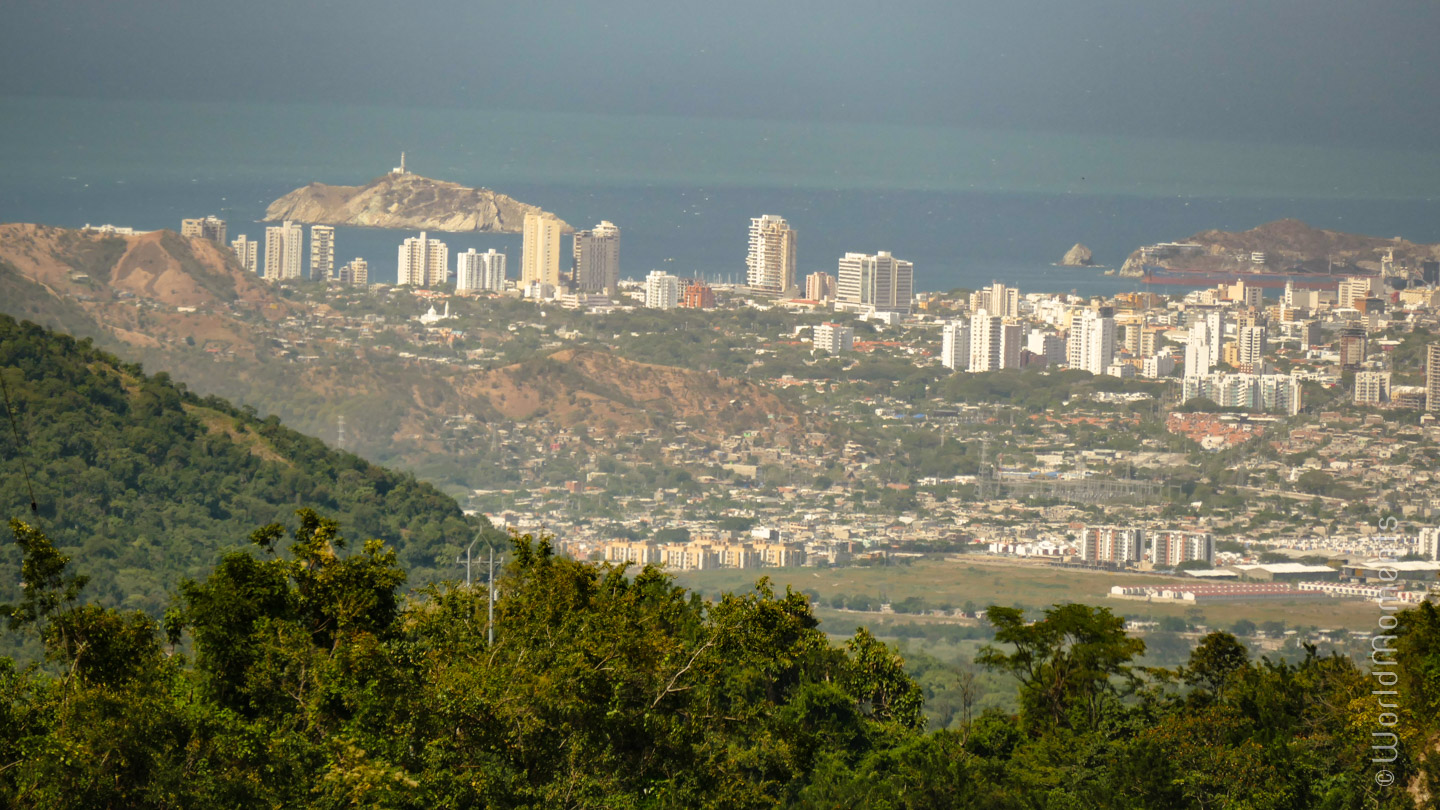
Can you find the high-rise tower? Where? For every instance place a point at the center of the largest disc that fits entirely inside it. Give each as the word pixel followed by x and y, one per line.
pixel 597 259
pixel 880 282
pixel 540 252
pixel 322 253
pixel 770 263
pixel 283 244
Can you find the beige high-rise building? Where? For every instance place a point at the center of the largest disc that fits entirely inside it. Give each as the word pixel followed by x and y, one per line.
pixel 1356 288
pixel 820 287
pixel 357 272
pixel 770 264
pixel 423 262
pixel 997 299
pixel 322 253
pixel 212 228
pixel 540 251
pixel 283 246
pixel 1432 377
pixel 880 282
pixel 247 252
pixel 597 259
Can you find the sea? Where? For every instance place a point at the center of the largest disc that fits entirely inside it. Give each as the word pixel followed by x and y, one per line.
pixel 967 206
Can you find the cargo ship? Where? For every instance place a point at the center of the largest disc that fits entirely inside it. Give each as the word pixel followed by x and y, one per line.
pixel 1156 274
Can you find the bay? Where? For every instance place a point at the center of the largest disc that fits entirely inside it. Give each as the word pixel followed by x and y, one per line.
pixel 967 206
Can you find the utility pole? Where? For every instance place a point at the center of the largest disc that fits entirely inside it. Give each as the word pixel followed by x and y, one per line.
pixel 467 557
pixel 490 585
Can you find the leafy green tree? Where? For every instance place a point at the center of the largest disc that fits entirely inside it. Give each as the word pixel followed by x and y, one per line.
pixel 1216 659
pixel 1067 663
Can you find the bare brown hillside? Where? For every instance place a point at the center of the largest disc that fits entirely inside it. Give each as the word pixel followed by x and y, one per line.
pixel 150 290
pixel 610 394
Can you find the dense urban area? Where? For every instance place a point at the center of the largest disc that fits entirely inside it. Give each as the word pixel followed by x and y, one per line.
pixel 1267 442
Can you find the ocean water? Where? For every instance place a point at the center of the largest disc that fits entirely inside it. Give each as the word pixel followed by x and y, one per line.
pixel 966 206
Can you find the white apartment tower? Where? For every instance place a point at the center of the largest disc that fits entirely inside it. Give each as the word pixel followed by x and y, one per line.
pixel 834 338
pixel 283 244
pixel 322 252
pixel 770 264
pixel 1090 346
pixel 955 345
pixel 1251 349
pixel 1202 346
pixel 597 259
pixel 880 282
pixel 1430 542
pixel 540 251
pixel 662 290
pixel 247 252
pixel 423 262
pixel 1372 387
pixel 479 271
pixel 986 332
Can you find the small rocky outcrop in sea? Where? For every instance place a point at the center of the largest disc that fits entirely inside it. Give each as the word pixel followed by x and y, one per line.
pixel 1078 256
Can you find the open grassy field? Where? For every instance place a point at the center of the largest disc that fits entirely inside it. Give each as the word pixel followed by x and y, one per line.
pixel 988 580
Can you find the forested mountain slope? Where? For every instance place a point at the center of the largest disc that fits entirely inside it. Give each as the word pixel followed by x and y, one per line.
pixel 146 483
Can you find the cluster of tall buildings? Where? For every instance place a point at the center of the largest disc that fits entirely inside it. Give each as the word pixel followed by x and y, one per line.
pixel 475 271
pixel 282 255
pixel 422 262
pixel 211 227
pixel 1258 392
pixel 993 337
pixel 1117 545
pixel 594 261
pixel 704 554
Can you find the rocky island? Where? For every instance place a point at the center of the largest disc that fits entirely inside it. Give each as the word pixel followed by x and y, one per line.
pixel 1078 256
pixel 1286 247
pixel 404 201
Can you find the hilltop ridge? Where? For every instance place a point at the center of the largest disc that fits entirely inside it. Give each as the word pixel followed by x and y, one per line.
pixel 1288 245
pixel 406 201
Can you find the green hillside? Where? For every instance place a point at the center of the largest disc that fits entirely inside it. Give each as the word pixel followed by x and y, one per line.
pixel 144 483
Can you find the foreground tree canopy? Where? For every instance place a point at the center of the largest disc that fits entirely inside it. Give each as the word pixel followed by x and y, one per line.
pixel 297 674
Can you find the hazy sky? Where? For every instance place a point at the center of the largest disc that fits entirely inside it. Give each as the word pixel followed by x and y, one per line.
pixel 1316 71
